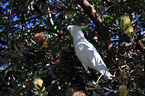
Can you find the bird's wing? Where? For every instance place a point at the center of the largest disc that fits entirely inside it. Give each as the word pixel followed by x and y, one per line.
pixel 89 56
pixel 85 52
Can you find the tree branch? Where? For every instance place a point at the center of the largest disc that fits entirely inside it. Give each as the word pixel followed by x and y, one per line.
pixel 101 29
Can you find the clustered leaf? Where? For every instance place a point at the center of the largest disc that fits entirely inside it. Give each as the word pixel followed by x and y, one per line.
pixel 36 44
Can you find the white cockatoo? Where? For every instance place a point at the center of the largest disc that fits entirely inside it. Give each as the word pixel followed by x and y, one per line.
pixel 87 53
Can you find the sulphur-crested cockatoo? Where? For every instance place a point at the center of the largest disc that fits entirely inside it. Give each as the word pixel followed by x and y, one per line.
pixel 87 53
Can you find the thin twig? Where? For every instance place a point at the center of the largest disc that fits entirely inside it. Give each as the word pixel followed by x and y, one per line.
pixel 99 79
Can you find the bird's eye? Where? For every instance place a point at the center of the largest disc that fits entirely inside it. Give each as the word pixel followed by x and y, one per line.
pixel 69 28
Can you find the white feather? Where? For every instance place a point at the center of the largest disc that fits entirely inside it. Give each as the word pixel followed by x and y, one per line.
pixel 87 53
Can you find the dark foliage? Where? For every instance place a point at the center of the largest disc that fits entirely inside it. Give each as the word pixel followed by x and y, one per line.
pixel 24 59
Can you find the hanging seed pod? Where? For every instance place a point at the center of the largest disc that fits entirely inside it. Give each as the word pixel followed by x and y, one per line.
pixel 40 39
pixel 122 90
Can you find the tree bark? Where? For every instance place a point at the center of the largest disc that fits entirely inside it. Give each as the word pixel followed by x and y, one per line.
pixel 101 29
